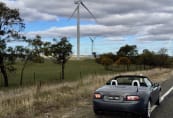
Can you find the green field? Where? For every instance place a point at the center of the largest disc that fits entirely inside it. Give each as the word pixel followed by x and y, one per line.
pixel 51 72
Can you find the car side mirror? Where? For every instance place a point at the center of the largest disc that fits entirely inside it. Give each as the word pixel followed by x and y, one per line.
pixel 156 85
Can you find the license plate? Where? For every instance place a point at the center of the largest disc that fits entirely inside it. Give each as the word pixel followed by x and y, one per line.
pixel 114 98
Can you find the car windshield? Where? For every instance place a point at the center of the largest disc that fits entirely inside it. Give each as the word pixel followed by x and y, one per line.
pixel 130 80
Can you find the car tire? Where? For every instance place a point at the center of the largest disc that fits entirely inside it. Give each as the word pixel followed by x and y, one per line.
pixel 158 101
pixel 147 113
pixel 97 112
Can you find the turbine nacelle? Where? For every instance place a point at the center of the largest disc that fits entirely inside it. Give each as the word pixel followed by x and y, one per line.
pixel 77 1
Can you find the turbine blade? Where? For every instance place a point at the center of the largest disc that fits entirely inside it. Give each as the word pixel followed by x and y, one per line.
pixel 88 11
pixel 91 39
pixel 73 13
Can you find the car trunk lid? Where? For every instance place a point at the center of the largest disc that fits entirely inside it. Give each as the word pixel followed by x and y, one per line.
pixel 117 93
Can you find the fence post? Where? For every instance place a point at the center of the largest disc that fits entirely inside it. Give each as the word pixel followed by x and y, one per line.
pixel 60 76
pixel 80 75
pixel 95 73
pixel 34 78
pixel 1 80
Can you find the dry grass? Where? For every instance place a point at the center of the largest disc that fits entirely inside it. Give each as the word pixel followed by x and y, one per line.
pixel 60 100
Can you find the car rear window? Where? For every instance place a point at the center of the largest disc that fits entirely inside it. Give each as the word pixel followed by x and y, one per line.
pixel 127 80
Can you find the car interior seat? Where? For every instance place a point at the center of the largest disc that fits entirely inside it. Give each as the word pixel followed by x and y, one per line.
pixel 114 82
pixel 135 83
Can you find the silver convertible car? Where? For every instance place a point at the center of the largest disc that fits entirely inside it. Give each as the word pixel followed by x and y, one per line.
pixel 127 93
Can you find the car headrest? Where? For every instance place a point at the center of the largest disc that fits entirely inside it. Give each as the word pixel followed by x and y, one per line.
pixel 114 82
pixel 135 83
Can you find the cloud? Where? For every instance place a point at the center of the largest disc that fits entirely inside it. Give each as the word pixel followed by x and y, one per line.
pixel 161 30
pixel 29 14
pixel 155 38
pixel 148 19
pixel 110 33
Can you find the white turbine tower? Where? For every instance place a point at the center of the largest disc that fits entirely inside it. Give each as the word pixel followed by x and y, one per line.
pixel 77 9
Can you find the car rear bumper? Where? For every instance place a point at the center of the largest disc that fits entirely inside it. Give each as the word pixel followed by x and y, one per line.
pixel 136 107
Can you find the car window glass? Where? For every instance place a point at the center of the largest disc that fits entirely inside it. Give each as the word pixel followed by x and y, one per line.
pixel 124 81
pixel 141 80
pixel 147 82
pixel 127 80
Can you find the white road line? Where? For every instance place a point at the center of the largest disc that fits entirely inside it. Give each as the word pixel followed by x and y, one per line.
pixel 166 94
pixel 163 97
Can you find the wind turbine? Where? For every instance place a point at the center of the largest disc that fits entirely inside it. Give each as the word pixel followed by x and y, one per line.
pixel 77 9
pixel 92 44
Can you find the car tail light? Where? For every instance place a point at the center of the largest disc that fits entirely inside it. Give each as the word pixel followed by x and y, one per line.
pixel 97 96
pixel 132 98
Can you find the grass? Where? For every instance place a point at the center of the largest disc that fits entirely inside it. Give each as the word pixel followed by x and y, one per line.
pixel 62 100
pixel 50 71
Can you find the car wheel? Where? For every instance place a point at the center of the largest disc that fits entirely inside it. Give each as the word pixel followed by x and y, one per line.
pixel 147 113
pixel 97 112
pixel 158 101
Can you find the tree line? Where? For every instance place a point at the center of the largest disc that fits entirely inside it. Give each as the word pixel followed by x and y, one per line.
pixel 128 55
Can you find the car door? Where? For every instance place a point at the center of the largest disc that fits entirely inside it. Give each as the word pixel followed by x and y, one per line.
pixel 153 89
pixel 156 89
pixel 154 93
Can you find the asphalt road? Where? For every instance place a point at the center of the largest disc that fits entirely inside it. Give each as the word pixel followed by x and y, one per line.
pixel 165 110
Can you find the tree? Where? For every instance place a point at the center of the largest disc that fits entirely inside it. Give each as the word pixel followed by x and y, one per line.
pixel 10 25
pixel 147 58
pixel 163 57
pixel 106 61
pixel 10 58
pixel 37 48
pixel 123 61
pixel 111 56
pixel 129 51
pixel 20 51
pixel 61 51
pixel 31 54
pixel 25 55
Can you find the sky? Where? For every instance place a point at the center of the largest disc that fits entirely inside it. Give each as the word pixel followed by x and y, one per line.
pixel 147 24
